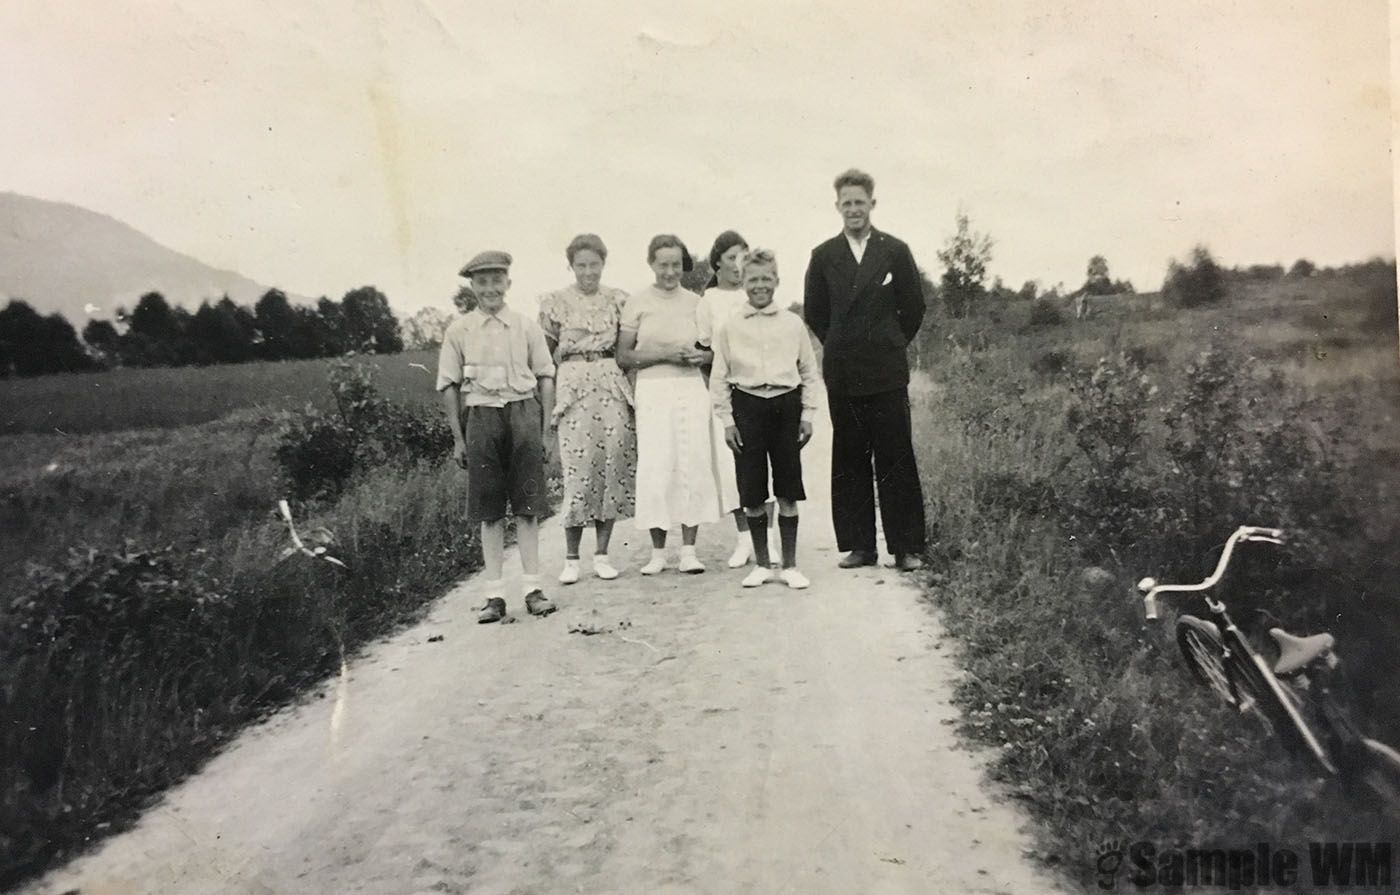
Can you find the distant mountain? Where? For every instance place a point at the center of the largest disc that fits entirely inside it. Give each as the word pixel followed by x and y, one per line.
pixel 61 257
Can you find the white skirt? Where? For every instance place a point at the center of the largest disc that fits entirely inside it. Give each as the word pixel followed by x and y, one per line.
pixel 725 475
pixel 676 468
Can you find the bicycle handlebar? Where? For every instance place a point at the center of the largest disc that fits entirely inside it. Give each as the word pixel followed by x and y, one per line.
pixel 1151 588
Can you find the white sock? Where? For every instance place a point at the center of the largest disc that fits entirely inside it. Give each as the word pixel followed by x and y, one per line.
pixel 687 551
pixel 494 589
pixel 529 584
pixel 658 554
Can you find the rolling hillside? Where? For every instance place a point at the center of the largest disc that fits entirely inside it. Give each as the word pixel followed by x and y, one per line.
pixel 61 257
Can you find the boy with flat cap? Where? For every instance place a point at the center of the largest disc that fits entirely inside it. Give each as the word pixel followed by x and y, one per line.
pixel 492 364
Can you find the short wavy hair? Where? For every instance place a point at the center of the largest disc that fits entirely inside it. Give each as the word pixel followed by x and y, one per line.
pixel 855 177
pixel 670 241
pixel 586 241
pixel 760 258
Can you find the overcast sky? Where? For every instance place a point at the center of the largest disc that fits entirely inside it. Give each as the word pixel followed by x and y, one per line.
pixel 321 146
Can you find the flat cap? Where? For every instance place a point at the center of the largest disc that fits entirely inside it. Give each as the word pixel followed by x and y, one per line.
pixel 491 260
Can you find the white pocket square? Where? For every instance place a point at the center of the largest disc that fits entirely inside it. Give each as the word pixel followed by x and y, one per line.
pixel 888 278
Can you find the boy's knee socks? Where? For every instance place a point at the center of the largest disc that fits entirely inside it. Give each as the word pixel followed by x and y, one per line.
pixel 758 533
pixel 787 530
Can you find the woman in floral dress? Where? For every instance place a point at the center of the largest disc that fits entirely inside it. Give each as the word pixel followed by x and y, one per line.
pixel 592 406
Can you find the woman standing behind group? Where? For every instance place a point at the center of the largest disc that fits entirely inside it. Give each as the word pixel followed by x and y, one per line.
pixel 593 406
pixel 723 297
pixel 675 458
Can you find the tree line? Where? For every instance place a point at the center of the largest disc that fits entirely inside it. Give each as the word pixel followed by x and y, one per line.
pixel 156 334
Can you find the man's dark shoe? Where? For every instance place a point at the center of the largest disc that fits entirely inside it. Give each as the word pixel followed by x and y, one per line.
pixel 857 558
pixel 536 603
pixel 493 611
pixel 909 562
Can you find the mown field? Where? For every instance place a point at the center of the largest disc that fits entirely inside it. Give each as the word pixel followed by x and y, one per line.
pixel 1062 461
pixel 168 397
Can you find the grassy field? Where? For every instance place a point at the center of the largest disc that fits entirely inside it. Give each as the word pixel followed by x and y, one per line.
pixel 1064 461
pixel 162 398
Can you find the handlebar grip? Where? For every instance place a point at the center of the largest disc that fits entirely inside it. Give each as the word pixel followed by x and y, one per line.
pixel 1149 604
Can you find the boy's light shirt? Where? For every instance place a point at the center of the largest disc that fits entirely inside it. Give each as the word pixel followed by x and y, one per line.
pixel 495 359
pixel 764 352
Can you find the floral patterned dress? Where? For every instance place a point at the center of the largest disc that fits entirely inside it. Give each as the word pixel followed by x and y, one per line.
pixel 593 405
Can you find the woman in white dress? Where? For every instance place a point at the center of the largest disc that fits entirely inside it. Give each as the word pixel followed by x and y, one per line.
pixel 723 297
pixel 675 458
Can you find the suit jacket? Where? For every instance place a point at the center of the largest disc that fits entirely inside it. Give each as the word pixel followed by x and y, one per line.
pixel 864 315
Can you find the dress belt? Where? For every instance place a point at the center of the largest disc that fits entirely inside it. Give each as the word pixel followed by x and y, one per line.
pixel 588 355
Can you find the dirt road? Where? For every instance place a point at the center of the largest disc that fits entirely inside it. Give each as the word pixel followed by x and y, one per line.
pixel 714 740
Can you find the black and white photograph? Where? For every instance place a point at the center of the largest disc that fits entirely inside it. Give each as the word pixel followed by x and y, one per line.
pixel 650 449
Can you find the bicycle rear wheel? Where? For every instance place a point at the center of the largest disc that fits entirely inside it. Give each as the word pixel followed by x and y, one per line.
pixel 1380 771
pixel 1204 652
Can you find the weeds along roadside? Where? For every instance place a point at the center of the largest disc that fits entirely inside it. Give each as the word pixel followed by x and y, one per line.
pixel 1054 481
pixel 124 666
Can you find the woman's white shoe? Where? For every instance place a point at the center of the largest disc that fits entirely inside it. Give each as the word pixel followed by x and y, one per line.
pixel 743 552
pixel 690 563
pixel 656 566
pixel 603 568
pixel 570 573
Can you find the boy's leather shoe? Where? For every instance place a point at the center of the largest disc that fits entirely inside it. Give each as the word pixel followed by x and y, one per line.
pixel 493 611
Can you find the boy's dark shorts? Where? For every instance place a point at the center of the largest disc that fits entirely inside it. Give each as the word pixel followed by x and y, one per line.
pixel 769 430
pixel 505 461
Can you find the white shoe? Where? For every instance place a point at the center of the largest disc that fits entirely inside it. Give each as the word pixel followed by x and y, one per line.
pixel 743 552
pixel 569 575
pixel 602 568
pixel 656 566
pixel 794 579
pixel 759 576
pixel 690 563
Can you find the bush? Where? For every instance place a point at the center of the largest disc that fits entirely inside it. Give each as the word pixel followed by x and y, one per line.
pixel 1199 283
pixel 320 453
pixel 1045 312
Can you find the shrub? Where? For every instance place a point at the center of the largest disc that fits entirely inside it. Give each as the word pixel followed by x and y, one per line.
pixel 1045 312
pixel 1050 364
pixel 1192 285
pixel 321 452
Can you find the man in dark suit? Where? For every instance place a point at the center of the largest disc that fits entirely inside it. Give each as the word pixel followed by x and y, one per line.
pixel 864 301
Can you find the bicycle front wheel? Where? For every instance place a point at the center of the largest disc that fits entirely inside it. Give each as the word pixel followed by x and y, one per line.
pixel 1204 652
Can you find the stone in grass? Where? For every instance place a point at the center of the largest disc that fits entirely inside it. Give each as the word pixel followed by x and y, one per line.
pixel 1097 581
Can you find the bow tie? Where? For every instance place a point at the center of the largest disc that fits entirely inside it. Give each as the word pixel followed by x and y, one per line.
pixel 750 310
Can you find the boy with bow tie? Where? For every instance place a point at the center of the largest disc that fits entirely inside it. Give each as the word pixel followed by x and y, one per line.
pixel 763 386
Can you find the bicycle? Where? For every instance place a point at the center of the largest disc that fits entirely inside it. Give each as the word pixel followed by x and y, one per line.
pixel 1293 699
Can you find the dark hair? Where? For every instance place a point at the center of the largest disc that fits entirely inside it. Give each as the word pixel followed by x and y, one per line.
pixel 586 242
pixel 723 243
pixel 670 241
pixel 855 177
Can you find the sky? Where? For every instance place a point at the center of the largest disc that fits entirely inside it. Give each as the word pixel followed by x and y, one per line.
pixel 320 146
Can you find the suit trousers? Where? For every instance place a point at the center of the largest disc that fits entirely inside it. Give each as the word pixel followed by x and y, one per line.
pixel 875 426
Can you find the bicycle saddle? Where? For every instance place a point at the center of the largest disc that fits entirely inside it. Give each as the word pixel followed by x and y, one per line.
pixel 1298 652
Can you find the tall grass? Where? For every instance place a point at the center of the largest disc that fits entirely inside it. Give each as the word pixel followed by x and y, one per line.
pixel 124 669
pixel 1062 462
